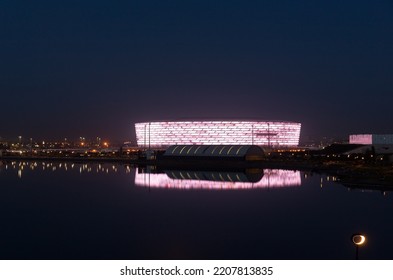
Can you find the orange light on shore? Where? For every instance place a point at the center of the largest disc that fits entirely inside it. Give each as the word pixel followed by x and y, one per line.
pixel 358 239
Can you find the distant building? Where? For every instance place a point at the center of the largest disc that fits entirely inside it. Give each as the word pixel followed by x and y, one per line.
pixel 261 133
pixel 375 144
pixel 371 139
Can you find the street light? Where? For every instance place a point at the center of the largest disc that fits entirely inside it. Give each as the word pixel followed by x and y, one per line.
pixel 359 240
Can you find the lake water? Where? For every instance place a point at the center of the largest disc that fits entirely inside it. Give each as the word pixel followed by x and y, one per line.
pixel 104 211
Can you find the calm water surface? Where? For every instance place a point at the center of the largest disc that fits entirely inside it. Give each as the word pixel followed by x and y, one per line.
pixel 103 211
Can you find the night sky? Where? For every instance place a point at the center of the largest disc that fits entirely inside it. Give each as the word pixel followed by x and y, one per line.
pixel 93 68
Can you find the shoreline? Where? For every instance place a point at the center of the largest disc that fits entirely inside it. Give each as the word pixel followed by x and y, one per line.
pixel 347 172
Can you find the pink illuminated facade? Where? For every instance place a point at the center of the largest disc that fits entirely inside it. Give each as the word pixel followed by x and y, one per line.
pixel 262 133
pixel 364 139
pixel 371 139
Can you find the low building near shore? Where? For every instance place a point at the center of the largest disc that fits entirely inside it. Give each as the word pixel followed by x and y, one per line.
pixel 376 144
pixel 211 152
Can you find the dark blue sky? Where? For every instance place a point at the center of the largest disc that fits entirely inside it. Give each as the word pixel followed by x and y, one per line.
pixel 93 68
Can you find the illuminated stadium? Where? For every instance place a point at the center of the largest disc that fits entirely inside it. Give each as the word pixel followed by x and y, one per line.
pixel 262 133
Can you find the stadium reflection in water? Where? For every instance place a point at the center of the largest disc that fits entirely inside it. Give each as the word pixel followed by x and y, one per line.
pixel 176 179
pixel 219 180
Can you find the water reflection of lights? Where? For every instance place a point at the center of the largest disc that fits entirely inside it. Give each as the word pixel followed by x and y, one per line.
pixel 187 179
pixel 22 167
pixel 171 179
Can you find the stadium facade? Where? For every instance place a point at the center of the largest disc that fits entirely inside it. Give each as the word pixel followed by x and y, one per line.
pixel 261 133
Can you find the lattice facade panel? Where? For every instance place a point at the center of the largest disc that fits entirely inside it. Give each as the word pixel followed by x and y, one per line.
pixel 262 133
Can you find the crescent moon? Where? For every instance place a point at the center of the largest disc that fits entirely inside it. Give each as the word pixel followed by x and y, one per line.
pixel 361 241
